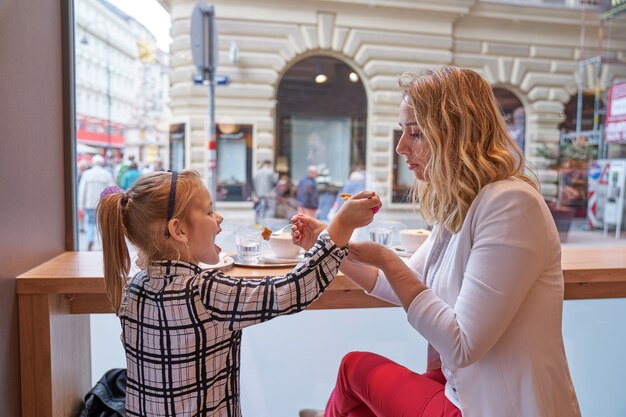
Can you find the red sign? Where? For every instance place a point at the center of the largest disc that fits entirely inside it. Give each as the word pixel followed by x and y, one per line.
pixel 615 126
pixel 93 131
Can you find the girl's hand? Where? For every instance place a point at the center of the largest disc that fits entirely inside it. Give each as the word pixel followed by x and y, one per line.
pixel 372 254
pixel 305 230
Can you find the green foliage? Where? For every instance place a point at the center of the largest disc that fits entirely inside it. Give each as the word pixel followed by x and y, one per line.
pixel 570 153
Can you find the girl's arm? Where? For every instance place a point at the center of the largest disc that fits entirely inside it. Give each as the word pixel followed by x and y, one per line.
pixel 244 302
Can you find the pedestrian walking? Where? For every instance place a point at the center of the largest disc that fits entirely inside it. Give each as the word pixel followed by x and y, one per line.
pixel 91 184
pixel 264 181
pixel 306 192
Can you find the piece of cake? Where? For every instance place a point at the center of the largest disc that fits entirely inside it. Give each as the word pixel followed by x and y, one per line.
pixel 266 233
pixel 345 196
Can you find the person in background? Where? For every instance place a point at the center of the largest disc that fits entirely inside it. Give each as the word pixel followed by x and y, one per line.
pixel 182 324
pixel 157 166
pixel 285 205
pixel 154 166
pixel 121 169
pixel 306 192
pixel 130 176
pixel 81 166
pixel 90 185
pixel 486 288
pixel 355 184
pixel 264 182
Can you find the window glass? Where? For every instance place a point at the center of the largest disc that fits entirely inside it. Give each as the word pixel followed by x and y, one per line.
pixel 177 146
pixel 402 178
pixel 121 112
pixel 323 142
pixel 234 162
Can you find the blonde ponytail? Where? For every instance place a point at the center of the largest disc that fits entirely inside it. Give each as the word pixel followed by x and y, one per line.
pixel 115 252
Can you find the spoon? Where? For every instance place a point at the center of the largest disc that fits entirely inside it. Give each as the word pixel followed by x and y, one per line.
pixel 281 230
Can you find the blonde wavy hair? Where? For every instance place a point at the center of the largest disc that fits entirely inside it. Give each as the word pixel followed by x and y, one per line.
pixel 139 215
pixel 470 146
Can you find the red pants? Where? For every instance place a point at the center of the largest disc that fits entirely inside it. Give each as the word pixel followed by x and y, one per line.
pixel 369 385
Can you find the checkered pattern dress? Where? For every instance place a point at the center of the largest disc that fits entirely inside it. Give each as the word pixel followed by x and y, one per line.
pixel 182 330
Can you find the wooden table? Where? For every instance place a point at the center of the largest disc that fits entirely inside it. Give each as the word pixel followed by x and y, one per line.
pixel 56 297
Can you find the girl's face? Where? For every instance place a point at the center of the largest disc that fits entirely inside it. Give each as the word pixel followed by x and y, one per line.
pixel 204 225
pixel 413 144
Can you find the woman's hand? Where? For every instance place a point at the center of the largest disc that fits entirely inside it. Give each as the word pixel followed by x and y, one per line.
pixel 305 230
pixel 372 254
pixel 358 210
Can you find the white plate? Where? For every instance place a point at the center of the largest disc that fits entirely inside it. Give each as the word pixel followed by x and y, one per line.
pixel 262 264
pixel 270 258
pixel 402 252
pixel 226 262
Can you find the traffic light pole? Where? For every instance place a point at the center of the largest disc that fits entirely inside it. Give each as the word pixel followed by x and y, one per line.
pixel 205 56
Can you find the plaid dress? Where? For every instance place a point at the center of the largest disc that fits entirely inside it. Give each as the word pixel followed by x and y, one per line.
pixel 182 329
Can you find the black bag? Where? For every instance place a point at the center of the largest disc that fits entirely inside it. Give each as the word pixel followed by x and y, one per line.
pixel 108 397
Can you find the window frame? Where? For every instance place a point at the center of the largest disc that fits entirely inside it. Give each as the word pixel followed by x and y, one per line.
pixel 68 85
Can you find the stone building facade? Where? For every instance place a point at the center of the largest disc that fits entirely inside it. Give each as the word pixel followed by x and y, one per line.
pixel 116 87
pixel 530 50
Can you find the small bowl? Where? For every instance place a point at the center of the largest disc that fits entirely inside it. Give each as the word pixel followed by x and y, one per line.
pixel 412 239
pixel 283 247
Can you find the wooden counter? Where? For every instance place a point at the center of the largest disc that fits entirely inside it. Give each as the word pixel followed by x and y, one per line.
pixel 55 298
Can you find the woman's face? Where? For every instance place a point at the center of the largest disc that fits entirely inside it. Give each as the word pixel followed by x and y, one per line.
pixel 413 145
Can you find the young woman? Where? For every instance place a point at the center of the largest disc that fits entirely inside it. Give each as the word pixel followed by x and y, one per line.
pixel 486 288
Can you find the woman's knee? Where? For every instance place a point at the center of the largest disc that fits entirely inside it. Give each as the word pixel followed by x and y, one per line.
pixel 355 360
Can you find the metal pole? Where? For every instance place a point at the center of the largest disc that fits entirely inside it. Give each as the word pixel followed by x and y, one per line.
pixel 579 105
pixel 204 49
pixel 108 99
pixel 212 162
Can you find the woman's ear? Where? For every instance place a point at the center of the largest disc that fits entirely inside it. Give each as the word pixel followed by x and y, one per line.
pixel 177 231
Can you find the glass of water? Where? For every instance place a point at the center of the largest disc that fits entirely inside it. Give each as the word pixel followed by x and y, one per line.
pixel 248 244
pixel 381 235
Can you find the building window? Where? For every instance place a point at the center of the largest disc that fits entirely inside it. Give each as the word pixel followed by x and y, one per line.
pixel 514 115
pixel 177 146
pixel 402 178
pixel 234 162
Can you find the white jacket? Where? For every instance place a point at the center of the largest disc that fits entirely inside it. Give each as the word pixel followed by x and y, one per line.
pixel 91 184
pixel 493 315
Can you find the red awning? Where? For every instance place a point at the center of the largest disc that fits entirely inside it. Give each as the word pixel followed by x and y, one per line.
pixel 99 139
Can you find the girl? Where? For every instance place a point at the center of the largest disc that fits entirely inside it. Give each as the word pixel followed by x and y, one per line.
pixel 181 325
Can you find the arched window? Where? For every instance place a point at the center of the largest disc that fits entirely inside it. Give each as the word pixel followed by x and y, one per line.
pixel 321 120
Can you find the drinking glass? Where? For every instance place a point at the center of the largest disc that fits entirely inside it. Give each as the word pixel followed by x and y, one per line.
pixel 248 246
pixel 381 235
